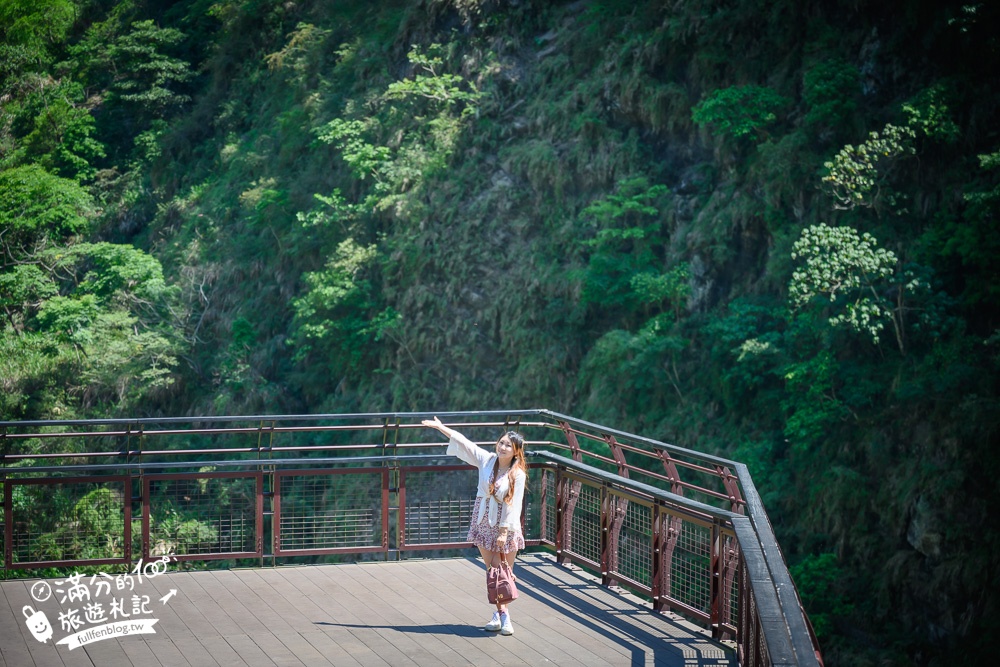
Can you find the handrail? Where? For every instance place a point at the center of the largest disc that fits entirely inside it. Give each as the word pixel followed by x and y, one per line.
pixel 622 449
pixel 645 489
pixel 803 640
pixel 656 444
pixel 786 629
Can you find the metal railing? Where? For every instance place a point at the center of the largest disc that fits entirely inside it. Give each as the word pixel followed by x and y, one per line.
pixel 685 529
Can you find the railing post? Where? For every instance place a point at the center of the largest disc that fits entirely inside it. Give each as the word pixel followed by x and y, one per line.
pixel 714 581
pixel 8 524
pixel 543 503
pixel 143 488
pixel 730 482
pixel 574 444
pixel 613 513
pixel 607 519
pixel 656 574
pixel 6 506
pixel 672 474
pixel 567 495
pixel 730 564
pixel 129 498
pixel 392 474
pixel 561 499
pixel 145 519
pixel 259 514
pixel 401 514
pixel 275 512
pixel 618 507
pixel 128 518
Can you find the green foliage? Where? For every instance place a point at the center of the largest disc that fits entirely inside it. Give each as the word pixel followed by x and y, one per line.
pixel 643 364
pixel 36 21
pixel 632 201
pixel 183 534
pixel 299 57
pixel 673 287
pixel 334 209
pixel 859 175
pixel 116 361
pixel 61 138
pixel 830 89
pixel 424 114
pixel 749 347
pixel 83 313
pixel 69 319
pixel 966 244
pixel 621 269
pixel 117 273
pixel 364 158
pixel 38 208
pixel 146 77
pixel 812 407
pixel 22 289
pixel 130 62
pixel 929 115
pixel 819 579
pixel 443 88
pixel 739 111
pixel 337 318
pixel 100 512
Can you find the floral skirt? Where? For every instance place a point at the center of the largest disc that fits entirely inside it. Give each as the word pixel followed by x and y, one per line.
pixel 484 535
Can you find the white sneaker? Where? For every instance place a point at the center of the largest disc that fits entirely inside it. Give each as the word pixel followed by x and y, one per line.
pixel 506 627
pixel 494 624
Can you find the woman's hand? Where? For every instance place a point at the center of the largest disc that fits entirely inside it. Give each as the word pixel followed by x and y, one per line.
pixel 433 423
pixel 502 539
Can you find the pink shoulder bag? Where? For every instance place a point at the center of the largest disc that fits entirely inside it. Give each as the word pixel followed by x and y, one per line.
pixel 500 586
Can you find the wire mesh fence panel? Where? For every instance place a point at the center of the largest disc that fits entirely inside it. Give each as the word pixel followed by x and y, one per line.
pixel 635 542
pixel 439 505
pixel 330 509
pixel 81 519
pixel 547 516
pixel 730 584
pixel 690 567
pixel 203 514
pixel 585 527
pixel 533 505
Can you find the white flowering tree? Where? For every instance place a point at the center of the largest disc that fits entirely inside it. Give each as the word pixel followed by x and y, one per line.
pixel 852 275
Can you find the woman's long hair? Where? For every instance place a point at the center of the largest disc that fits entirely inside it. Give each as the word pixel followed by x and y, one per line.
pixel 517 442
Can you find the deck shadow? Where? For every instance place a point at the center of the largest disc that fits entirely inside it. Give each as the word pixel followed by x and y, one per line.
pixel 623 628
pixel 458 630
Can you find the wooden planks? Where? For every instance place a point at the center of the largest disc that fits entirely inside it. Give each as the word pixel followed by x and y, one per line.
pixel 407 613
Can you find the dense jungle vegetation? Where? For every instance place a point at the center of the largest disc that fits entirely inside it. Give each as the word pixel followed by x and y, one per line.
pixel 761 229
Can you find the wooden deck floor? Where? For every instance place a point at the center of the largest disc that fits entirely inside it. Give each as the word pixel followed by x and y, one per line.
pixel 418 612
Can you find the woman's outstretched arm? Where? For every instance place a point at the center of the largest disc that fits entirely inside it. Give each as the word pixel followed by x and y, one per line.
pixel 436 423
pixel 459 445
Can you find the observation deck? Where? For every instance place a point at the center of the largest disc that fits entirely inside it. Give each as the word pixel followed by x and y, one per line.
pixel 340 539
pixel 408 613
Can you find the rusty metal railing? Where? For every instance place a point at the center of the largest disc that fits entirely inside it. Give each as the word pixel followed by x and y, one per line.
pixel 685 529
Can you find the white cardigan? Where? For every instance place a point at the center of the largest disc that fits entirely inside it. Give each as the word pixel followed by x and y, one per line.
pixel 509 515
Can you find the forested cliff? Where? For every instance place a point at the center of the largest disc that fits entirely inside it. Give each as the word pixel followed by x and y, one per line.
pixel 766 230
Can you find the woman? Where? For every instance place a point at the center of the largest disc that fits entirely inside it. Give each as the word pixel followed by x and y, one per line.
pixel 496 517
